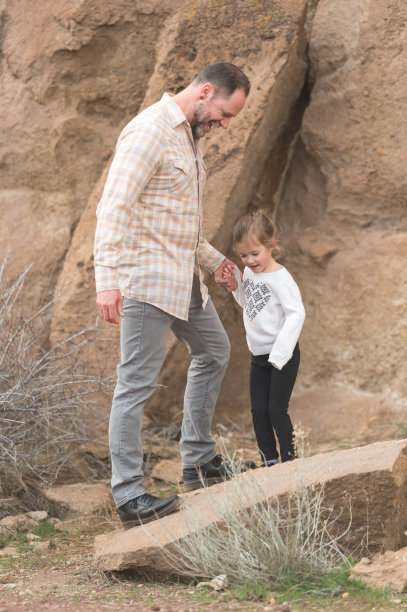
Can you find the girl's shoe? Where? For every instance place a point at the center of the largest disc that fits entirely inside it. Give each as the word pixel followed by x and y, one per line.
pixel 269 463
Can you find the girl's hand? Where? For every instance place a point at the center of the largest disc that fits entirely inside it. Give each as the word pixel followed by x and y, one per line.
pixel 228 278
pixel 224 275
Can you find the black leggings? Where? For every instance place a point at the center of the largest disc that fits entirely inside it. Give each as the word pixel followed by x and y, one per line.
pixel 270 392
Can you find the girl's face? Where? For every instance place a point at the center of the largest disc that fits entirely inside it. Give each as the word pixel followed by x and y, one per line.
pixel 255 255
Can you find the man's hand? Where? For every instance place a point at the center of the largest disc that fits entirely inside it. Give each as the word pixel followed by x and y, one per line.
pixel 110 303
pixel 224 275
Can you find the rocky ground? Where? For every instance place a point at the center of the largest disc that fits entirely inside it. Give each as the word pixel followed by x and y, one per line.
pixel 62 575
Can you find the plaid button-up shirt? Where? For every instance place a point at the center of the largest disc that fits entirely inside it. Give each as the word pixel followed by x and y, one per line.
pixel 148 236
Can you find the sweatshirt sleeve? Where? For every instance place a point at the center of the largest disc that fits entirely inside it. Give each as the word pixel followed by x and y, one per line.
pixel 291 303
pixel 239 293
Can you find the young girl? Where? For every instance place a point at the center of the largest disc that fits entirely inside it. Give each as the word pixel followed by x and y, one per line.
pixel 273 316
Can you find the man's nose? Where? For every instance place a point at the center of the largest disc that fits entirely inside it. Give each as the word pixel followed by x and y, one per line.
pixel 225 122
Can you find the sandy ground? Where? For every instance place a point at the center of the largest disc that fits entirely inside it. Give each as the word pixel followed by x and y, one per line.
pixel 63 579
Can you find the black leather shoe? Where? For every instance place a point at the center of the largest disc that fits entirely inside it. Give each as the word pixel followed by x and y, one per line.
pixel 209 473
pixel 146 508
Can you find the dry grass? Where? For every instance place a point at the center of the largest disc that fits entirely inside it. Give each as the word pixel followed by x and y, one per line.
pixel 45 396
pixel 269 544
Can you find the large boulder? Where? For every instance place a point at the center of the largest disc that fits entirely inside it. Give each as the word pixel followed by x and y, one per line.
pixel 365 487
pixel 320 143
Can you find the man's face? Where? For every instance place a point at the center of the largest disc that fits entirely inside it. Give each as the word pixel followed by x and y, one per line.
pixel 216 110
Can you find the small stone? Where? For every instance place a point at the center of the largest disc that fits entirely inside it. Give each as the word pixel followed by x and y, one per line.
pixel 31 537
pixel 168 471
pixel 85 498
pixel 42 546
pixel 37 515
pixel 9 551
pixel 219 583
pixel 5 578
pixel 77 523
pixel 19 522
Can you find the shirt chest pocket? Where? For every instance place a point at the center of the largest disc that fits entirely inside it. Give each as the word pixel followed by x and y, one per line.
pixel 176 177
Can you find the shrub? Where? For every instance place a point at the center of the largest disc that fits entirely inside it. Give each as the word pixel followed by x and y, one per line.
pixel 45 396
pixel 270 543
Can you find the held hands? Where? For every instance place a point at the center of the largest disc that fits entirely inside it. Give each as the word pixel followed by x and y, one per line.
pixel 110 303
pixel 224 275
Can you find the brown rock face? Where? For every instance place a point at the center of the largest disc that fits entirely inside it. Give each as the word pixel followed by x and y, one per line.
pixel 235 159
pixel 372 476
pixel 346 187
pixel 320 143
pixel 70 72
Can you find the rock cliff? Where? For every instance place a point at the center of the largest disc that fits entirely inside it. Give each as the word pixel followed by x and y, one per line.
pixel 320 143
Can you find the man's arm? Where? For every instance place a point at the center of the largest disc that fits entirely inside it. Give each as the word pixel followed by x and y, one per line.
pixel 215 262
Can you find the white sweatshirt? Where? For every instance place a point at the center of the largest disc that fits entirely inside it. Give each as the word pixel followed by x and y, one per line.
pixel 273 313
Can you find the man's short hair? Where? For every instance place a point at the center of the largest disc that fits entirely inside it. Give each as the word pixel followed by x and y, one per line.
pixel 227 77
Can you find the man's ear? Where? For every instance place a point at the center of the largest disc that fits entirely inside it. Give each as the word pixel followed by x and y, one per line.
pixel 206 91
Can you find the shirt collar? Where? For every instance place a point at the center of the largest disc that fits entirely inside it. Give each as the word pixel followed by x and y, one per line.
pixel 175 113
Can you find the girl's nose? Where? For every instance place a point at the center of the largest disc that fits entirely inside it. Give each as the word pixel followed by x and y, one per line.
pixel 225 122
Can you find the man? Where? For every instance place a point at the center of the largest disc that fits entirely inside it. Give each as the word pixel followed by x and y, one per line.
pixel 148 248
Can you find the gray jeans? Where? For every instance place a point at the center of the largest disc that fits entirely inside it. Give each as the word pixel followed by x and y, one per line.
pixel 144 336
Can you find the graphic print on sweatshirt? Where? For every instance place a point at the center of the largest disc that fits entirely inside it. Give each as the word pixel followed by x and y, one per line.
pixel 257 296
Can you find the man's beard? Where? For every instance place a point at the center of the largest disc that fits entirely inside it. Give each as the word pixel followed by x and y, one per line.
pixel 198 123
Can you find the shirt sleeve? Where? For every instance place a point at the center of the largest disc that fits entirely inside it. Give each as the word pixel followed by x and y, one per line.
pixel 208 256
pixel 136 160
pixel 291 303
pixel 239 293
